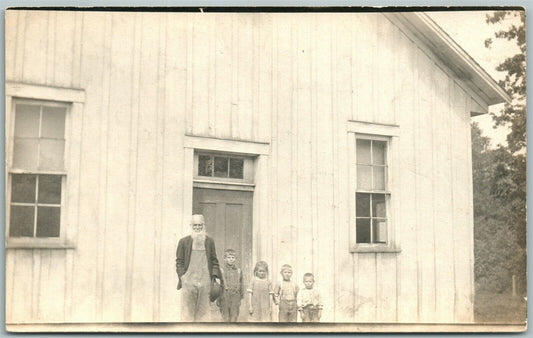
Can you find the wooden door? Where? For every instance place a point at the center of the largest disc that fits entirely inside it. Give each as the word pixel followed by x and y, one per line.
pixel 228 218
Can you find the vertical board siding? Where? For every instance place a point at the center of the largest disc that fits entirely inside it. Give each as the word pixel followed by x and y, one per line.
pixel 63 58
pixel 244 77
pixel 200 74
pixel 295 144
pixel 36 47
pixel 364 54
pixel 158 200
pixel 50 48
pixel 85 268
pixel 304 174
pixel 290 80
pixel 314 138
pixel 103 144
pixel 20 46
pixel 51 286
pixel 23 293
pixel 283 155
pixel 132 164
pixel 407 225
pixel 386 113
pixel 265 80
pixel 223 71
pixel 9 285
pixel 324 169
pixel 384 71
pixel 425 188
pixel 172 180
pixel 142 300
pixel 73 199
pixel 119 116
pixel 76 49
pixel 11 40
pixel 462 221
pixel 442 200
pixel 343 289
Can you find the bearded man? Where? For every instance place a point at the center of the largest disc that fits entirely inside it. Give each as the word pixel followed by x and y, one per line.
pixel 197 266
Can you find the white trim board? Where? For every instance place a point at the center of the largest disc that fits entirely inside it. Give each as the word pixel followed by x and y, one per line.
pixel 372 128
pixel 234 146
pixel 32 91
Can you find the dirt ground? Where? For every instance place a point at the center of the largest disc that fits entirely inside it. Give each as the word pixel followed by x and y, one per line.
pixel 499 308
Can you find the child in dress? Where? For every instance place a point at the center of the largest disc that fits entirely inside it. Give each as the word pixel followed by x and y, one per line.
pixel 285 295
pixel 309 303
pixel 260 292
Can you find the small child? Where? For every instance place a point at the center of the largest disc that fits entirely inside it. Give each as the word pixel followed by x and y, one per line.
pixel 230 300
pixel 260 292
pixel 309 304
pixel 285 295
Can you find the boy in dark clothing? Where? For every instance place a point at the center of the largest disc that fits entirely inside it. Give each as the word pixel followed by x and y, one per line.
pixel 233 292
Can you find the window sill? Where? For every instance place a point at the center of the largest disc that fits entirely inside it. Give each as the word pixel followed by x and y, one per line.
pixel 28 244
pixel 375 249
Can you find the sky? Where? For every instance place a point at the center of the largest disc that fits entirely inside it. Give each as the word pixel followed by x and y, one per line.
pixel 461 26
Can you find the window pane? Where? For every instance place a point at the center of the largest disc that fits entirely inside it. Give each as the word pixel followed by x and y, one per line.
pixel 221 166
pixel 25 153
pixel 236 167
pixel 379 231
pixel 379 178
pixel 53 124
pixel 27 121
pixel 51 154
pixel 48 221
pixel 21 221
pixel 378 152
pixel 205 165
pixel 23 188
pixel 50 189
pixel 363 151
pixel 362 205
pixel 379 206
pixel 363 231
pixel 364 177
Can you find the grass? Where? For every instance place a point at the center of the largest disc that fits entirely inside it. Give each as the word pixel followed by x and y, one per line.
pixel 499 308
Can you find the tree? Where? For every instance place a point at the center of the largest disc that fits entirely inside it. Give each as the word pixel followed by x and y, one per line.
pixel 514 114
pixel 497 245
pixel 500 174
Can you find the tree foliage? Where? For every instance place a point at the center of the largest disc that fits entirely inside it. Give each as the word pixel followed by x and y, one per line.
pixel 500 174
pixel 498 234
pixel 514 114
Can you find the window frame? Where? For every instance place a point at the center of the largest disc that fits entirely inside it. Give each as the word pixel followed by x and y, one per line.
pixel 386 192
pixel 374 132
pixel 248 169
pixel 70 98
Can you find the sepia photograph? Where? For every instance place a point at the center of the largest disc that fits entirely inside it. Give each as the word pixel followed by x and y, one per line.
pixel 265 169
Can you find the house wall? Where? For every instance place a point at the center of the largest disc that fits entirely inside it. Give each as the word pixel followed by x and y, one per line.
pixel 291 80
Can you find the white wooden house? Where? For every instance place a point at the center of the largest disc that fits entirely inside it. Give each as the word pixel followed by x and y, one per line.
pixel 336 142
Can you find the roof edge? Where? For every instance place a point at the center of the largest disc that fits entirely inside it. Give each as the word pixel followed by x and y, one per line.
pixel 444 46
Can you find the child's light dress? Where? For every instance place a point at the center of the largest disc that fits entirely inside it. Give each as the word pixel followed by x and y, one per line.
pixel 261 290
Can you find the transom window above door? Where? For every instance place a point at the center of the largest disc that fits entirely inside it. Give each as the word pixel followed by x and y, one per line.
pixel 222 167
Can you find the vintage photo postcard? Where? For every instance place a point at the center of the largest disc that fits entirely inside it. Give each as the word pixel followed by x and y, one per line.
pixel 267 170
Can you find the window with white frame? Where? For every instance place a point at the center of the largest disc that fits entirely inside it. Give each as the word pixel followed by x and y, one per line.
pixel 37 172
pixel 372 195
pixel 223 168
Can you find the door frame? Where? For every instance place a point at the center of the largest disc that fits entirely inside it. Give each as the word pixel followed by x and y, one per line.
pixel 262 245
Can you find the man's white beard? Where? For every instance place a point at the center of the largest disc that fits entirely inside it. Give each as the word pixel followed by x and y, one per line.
pixel 198 240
